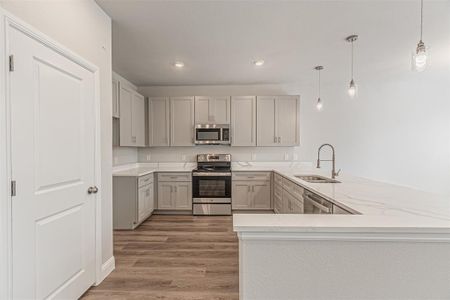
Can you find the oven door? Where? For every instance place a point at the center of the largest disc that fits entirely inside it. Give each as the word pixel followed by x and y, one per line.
pixel 207 135
pixel 211 188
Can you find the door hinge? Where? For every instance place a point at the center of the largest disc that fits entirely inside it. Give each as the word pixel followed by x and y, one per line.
pixel 13 188
pixel 11 63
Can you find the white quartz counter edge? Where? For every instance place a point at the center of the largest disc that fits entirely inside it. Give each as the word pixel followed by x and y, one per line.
pixel 137 170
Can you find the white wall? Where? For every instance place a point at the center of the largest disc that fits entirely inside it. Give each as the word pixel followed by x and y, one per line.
pixel 397 130
pixel 84 28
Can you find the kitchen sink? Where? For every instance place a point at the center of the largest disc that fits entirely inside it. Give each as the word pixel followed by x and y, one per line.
pixel 316 179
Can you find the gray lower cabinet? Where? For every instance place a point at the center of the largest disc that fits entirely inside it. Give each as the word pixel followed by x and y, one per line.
pixel 174 191
pixel 251 195
pixel 291 204
pixel 133 200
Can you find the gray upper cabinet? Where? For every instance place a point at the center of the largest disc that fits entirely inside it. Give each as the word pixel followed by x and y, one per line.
pixel 138 119
pixel 159 121
pixel 132 117
pixel 278 120
pixel 212 110
pixel 243 121
pixel 182 121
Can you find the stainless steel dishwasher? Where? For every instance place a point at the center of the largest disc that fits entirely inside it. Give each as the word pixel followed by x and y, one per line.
pixel 314 204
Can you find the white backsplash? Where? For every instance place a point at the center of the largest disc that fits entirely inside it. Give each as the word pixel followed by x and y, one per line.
pixel 188 154
pixel 124 155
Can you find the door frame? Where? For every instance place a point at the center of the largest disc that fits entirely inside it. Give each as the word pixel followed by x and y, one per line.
pixel 8 20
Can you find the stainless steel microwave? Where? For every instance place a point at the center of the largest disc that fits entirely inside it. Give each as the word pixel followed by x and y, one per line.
pixel 212 134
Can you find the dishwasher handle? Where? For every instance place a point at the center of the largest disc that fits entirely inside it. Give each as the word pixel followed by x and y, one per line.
pixel 315 202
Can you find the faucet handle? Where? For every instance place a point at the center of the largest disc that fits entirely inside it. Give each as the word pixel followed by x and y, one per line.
pixel 337 173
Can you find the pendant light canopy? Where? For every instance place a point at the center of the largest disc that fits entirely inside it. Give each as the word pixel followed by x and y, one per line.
pixel 352 88
pixel 420 56
pixel 319 104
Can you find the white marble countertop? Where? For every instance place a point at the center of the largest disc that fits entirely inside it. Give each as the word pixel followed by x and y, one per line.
pixel 142 169
pixel 382 206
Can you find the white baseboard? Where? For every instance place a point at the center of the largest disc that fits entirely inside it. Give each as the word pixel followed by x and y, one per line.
pixel 107 268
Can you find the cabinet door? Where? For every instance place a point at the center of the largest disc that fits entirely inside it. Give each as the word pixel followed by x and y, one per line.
pixel 297 206
pixel 159 122
pixel 261 195
pixel 243 121
pixel 126 120
pixel 115 99
pixel 203 110
pixel 287 120
pixel 221 110
pixel 138 119
pixel 182 121
pixel 165 191
pixel 241 191
pixel 266 121
pixel 182 196
pixel 151 199
pixel 144 197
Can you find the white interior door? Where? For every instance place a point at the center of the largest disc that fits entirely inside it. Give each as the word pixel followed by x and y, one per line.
pixel 52 146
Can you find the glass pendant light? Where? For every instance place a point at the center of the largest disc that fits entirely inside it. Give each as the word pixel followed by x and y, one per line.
pixel 352 88
pixel 420 56
pixel 319 104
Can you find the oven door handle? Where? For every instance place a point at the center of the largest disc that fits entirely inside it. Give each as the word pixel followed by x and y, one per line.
pixel 211 174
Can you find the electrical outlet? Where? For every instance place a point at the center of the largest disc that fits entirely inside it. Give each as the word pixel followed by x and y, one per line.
pixel 183 157
pixel 295 156
pixel 116 160
pixel 253 156
pixel 286 156
pixel 149 157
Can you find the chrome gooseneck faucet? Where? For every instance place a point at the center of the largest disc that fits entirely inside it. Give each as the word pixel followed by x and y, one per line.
pixel 333 159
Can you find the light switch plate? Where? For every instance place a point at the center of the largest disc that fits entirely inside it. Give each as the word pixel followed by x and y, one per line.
pixel 183 157
pixel 116 160
pixel 253 156
pixel 286 156
pixel 149 157
pixel 295 156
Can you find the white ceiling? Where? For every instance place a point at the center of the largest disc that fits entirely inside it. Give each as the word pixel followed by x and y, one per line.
pixel 218 41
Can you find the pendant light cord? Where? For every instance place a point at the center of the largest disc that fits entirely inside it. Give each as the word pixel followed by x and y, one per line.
pixel 319 84
pixel 421 19
pixel 352 61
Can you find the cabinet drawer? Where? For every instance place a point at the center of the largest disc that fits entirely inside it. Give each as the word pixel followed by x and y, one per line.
pixel 278 179
pixel 251 175
pixel 145 180
pixel 174 177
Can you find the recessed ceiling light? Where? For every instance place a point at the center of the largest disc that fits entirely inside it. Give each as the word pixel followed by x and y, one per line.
pixel 258 62
pixel 179 64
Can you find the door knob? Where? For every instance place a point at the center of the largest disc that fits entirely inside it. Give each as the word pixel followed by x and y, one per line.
pixel 92 190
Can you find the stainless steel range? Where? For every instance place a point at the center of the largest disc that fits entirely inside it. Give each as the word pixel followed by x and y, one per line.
pixel 211 185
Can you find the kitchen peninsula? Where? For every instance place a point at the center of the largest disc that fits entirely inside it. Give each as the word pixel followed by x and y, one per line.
pixel 399 237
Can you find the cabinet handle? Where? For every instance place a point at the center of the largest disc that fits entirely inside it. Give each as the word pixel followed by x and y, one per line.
pixel 248 189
